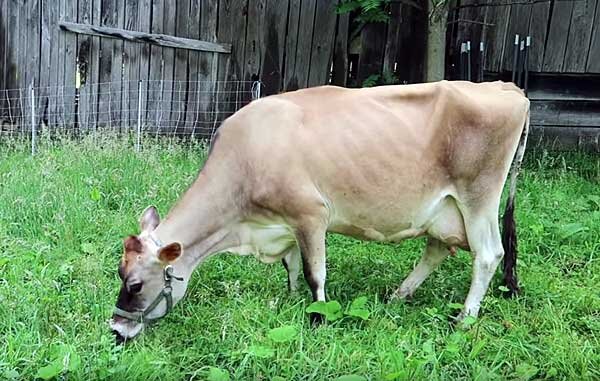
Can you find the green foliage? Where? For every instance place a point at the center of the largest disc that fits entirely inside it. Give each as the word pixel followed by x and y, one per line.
pixel 386 78
pixel 63 359
pixel 60 248
pixel 283 334
pixel 332 310
pixel 216 374
pixel 358 308
pixel 368 10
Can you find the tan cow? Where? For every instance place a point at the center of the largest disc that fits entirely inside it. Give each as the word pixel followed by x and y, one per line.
pixel 384 164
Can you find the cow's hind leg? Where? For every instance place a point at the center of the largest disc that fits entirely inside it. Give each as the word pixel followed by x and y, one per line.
pixel 483 234
pixel 291 262
pixel 435 252
pixel 312 248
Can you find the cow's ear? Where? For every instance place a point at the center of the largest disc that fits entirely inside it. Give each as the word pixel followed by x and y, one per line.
pixel 132 243
pixel 170 252
pixel 150 219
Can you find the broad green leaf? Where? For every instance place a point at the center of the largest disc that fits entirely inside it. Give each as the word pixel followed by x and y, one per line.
pixel 503 288
pixel 283 334
pixel 331 310
pixel 525 371
pixel 357 308
pixel 50 371
pixel 350 377
pixel 278 378
pixel 455 306
pixel 363 314
pixel 260 351
pixel 216 374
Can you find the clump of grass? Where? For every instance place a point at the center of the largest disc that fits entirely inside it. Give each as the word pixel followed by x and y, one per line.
pixel 64 212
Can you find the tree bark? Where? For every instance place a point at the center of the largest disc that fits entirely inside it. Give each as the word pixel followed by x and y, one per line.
pixel 436 40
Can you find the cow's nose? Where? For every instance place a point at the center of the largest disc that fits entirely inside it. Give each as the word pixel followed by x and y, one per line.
pixel 119 339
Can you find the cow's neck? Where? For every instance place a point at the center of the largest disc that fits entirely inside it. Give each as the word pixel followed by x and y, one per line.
pixel 203 221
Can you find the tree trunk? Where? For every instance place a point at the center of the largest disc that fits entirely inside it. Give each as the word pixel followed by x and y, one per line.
pixel 436 40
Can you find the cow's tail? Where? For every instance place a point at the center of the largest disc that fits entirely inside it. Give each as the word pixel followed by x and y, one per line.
pixel 509 231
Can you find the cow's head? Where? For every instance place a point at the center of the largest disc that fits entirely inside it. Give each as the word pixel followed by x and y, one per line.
pixel 150 285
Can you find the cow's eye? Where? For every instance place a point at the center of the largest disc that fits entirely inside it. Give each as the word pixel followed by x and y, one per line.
pixel 135 288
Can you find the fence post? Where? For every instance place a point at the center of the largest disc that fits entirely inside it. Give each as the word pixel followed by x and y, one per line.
pixel 139 119
pixel 32 120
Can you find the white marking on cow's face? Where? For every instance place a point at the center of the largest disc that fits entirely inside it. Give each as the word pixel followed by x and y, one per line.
pixel 127 329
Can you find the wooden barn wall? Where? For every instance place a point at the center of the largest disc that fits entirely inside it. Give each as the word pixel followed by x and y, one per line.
pixel 564 61
pixel 287 44
pixel 565 34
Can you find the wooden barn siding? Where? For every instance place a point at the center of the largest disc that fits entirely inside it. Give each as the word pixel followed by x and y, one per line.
pixel 565 34
pixel 565 107
pixel 288 44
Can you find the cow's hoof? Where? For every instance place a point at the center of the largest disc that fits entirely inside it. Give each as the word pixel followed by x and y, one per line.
pixel 316 319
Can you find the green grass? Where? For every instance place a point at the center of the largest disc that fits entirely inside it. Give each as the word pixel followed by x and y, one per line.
pixel 63 215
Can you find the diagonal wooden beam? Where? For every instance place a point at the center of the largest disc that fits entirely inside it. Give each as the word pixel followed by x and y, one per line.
pixel 142 37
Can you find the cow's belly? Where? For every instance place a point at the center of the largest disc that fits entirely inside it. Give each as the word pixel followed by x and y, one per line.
pixel 267 240
pixel 438 217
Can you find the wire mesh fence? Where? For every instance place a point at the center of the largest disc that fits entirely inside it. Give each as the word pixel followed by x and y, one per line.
pixel 157 108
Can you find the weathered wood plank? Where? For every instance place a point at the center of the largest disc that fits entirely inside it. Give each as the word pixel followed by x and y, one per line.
pixel 45 59
pixel 232 26
pixel 497 36
pixel 471 28
pixel 141 37
pixel 593 60
pixel 193 58
pixel 22 53
pixel 274 44
pixel 3 58
pixel 559 138
pixel 583 113
pixel 558 32
pixel 85 61
pixel 520 15
pixel 69 14
pixel 155 85
pixel 370 61
pixel 168 86
pixel 106 66
pixel 32 51
pixel 291 45
pixel 181 67
pixel 538 30
pixel 392 43
pixel 340 54
pixel 254 49
pixel 144 21
pixel 132 64
pixel 306 26
pixel 206 71
pixel 580 33
pixel 323 41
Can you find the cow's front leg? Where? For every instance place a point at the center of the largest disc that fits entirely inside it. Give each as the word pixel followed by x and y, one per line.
pixel 291 262
pixel 312 248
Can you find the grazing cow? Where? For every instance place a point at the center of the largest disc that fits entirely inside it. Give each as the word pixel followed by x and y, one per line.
pixel 385 164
